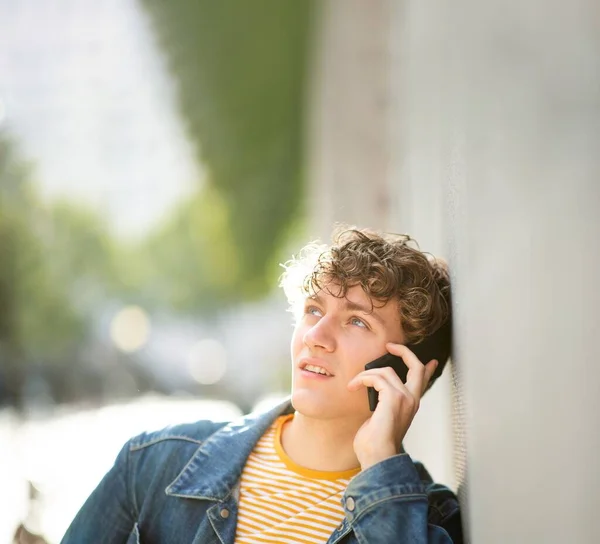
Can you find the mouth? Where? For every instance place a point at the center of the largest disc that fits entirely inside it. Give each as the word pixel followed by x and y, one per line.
pixel 315 367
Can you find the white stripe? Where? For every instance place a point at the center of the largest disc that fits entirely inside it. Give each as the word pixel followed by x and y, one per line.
pixel 287 510
pixel 270 488
pixel 280 468
pixel 284 474
pixel 289 482
pixel 294 492
pixel 306 516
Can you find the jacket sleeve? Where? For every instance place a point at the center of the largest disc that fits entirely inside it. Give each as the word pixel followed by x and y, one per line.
pixel 108 515
pixel 388 503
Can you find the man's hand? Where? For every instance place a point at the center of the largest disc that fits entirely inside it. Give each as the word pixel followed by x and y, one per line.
pixel 381 435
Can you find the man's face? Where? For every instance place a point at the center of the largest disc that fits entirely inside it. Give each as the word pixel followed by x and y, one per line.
pixel 340 335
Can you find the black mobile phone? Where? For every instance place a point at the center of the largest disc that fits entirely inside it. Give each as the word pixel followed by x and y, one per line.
pixel 436 346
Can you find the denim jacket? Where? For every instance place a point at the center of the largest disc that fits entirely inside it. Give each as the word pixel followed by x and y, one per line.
pixel 180 485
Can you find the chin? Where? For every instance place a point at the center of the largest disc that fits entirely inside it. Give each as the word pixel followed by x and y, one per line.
pixel 319 406
pixel 313 404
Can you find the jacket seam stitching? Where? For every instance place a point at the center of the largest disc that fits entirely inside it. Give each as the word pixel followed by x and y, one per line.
pixel 137 447
pixel 442 508
pixel 450 514
pixel 181 473
pixel 128 484
pixel 373 504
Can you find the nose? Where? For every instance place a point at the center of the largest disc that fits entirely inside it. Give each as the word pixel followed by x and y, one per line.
pixel 321 335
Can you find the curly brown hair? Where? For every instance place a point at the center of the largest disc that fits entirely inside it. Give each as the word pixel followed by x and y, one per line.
pixel 386 266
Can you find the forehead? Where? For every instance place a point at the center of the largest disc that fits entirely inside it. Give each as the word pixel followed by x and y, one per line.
pixel 353 293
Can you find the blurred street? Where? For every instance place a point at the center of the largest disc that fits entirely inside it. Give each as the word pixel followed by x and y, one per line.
pixel 66 454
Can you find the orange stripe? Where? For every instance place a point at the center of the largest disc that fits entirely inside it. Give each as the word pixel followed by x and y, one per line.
pixel 277 539
pixel 301 530
pixel 281 504
pixel 251 513
pixel 278 472
pixel 321 494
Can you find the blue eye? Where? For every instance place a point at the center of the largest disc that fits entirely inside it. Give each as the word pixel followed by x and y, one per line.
pixel 312 310
pixel 358 322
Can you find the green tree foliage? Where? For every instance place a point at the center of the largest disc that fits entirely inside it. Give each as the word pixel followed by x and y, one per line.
pixel 36 319
pixel 190 263
pixel 56 263
pixel 241 72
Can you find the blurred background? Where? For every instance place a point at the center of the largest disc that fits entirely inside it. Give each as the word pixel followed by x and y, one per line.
pixel 151 180
pixel 158 160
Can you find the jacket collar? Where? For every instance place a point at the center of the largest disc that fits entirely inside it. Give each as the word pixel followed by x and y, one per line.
pixel 216 467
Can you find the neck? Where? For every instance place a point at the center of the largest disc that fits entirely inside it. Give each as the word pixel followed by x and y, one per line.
pixel 320 444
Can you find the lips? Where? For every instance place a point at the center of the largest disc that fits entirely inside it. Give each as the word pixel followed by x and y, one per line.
pixel 305 361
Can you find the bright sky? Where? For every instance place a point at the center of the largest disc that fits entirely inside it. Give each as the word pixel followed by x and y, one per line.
pixel 85 91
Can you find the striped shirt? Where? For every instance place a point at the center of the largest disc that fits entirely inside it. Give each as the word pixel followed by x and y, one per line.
pixel 284 503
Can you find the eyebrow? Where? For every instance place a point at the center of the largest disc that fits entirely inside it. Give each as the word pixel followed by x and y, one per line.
pixel 352 306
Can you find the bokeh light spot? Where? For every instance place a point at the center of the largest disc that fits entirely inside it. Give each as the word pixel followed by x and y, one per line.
pixel 130 329
pixel 207 361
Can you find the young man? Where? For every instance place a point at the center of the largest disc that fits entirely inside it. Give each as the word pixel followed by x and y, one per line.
pixel 323 467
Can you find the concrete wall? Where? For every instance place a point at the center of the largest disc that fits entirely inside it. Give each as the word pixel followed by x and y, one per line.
pixel 488 134
pixel 357 169
pixel 349 116
pixel 523 227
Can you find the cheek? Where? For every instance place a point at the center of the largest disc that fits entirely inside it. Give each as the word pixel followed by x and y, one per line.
pixel 297 342
pixel 360 352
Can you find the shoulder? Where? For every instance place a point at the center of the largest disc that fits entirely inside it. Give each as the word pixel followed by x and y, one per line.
pixel 169 448
pixel 176 435
pixel 183 440
pixel 151 461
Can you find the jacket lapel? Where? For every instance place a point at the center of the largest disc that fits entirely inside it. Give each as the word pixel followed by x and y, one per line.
pixel 213 473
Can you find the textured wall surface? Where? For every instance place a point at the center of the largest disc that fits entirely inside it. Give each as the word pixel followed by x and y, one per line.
pixel 348 140
pixel 486 140
pixel 524 202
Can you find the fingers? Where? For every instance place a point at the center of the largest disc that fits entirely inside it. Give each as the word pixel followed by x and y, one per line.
pixel 409 358
pixel 392 392
pixel 417 379
pixel 419 373
pixel 377 378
